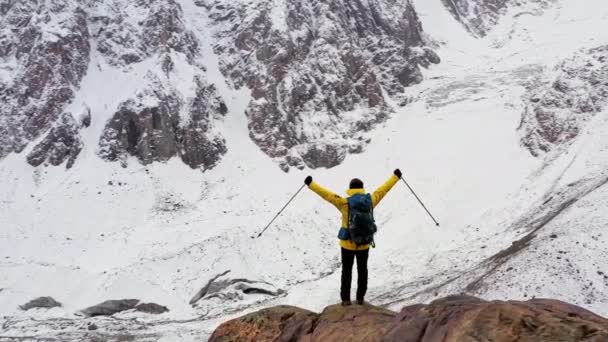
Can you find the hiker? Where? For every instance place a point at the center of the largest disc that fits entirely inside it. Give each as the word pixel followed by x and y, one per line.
pixel 350 249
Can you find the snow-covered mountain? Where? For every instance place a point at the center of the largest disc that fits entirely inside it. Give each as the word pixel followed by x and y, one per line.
pixel 143 143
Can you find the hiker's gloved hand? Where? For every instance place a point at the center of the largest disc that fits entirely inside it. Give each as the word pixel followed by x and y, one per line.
pixel 397 173
pixel 308 180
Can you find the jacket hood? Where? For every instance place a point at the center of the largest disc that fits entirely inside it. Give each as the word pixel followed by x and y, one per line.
pixel 351 192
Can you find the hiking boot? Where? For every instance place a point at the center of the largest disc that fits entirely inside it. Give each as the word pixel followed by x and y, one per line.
pixel 346 303
pixel 360 302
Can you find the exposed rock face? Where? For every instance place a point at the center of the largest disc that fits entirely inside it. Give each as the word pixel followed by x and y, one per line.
pixel 42 302
pixel 44 54
pixel 453 319
pixel 60 144
pixel 45 51
pixel 128 32
pixel 558 110
pixel 152 128
pixel 317 70
pixel 199 142
pixel 479 16
pixel 160 122
pixel 110 307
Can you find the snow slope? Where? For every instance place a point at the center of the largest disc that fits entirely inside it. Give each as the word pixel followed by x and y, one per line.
pixel 160 232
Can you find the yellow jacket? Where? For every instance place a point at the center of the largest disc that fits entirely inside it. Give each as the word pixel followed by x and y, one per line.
pixel 342 204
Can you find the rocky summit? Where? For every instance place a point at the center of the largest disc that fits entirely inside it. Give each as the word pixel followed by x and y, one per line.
pixel 450 319
pixel 308 67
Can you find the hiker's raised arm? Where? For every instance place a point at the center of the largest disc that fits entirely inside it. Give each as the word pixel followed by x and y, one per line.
pixel 379 194
pixel 327 195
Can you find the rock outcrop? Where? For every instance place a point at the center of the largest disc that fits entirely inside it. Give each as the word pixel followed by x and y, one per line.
pixel 157 125
pixel 318 71
pixel 480 16
pixel 159 122
pixel 451 319
pixel 558 109
pixel 44 54
pixel 151 308
pixel 62 143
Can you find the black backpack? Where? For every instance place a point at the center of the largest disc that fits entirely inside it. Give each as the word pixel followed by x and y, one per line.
pixel 361 223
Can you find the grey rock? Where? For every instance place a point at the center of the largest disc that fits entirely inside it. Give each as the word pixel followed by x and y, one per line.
pixel 110 307
pixel 144 126
pixel 61 144
pixel 42 302
pixel 149 126
pixel 197 144
pixel 151 308
pixel 92 327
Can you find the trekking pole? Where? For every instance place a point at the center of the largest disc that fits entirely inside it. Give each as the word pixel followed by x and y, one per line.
pixel 427 211
pixel 280 211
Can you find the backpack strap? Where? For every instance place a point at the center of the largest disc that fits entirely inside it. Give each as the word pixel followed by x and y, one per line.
pixel 373 244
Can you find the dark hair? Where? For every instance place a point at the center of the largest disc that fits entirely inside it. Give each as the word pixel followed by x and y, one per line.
pixel 356 183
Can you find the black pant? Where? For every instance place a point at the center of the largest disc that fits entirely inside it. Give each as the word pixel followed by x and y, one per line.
pixel 348 258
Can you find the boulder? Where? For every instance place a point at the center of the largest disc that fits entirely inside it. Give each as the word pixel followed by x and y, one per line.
pixel 319 75
pixel 41 302
pixel 110 307
pixel 151 308
pixel 450 319
pixel 47 73
pixel 62 143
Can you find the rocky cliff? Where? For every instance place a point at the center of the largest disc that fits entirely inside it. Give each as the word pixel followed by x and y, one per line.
pixel 451 319
pixel 47 48
pixel 319 72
